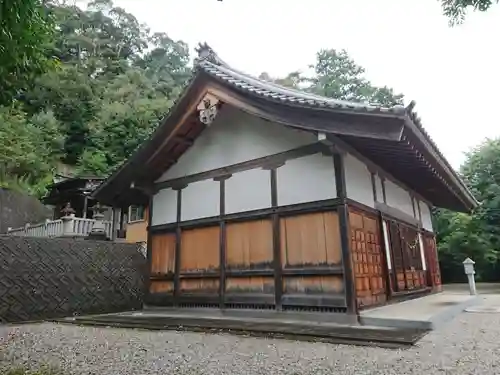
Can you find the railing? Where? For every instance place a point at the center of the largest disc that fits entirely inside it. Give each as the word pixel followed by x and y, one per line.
pixel 68 226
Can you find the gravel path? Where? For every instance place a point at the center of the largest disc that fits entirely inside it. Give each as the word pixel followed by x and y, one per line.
pixel 468 345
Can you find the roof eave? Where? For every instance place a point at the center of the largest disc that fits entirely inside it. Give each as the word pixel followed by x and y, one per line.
pixel 466 197
pixel 104 192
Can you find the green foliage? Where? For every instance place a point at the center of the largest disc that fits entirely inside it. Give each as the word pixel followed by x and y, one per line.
pixel 337 76
pixel 115 80
pixel 25 31
pixel 29 147
pixel 478 235
pixel 456 10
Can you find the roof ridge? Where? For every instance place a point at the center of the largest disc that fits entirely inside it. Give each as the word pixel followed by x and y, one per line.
pixel 209 61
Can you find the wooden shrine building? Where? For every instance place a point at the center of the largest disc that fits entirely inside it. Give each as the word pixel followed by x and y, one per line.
pixel 262 196
pixel 76 191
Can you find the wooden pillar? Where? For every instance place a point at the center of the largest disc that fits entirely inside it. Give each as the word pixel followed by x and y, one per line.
pixel 149 249
pixel 178 237
pixel 222 241
pixel 115 217
pixel 122 218
pixel 343 212
pixel 278 279
pixel 85 204
pixel 384 196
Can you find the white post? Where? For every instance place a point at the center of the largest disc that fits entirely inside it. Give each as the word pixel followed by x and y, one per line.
pixel 68 225
pixel 469 271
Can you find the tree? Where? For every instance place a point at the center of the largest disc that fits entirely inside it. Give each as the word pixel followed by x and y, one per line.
pixel 477 235
pixel 338 76
pixel 25 30
pixel 456 10
pixel 114 81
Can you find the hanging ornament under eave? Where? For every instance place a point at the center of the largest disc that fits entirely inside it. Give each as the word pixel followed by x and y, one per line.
pixel 208 110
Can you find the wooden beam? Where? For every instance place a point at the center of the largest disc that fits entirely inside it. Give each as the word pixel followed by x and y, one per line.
pixel 395 213
pixel 265 161
pixel 293 209
pixel 384 194
pixel 182 140
pixel 343 213
pixel 413 205
pixel 374 186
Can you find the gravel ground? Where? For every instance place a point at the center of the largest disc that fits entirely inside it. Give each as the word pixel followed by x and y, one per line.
pixel 468 345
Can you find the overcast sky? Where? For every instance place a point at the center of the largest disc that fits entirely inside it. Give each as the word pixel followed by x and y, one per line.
pixel 452 73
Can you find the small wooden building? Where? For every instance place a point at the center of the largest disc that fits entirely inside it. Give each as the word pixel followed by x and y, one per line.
pixel 76 191
pixel 262 196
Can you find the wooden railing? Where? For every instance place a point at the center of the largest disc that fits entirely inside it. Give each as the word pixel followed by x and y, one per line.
pixel 68 226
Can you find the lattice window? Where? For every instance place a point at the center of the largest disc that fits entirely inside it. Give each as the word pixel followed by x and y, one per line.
pixel 136 213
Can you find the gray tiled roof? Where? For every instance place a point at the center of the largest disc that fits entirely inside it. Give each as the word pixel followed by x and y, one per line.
pixel 272 91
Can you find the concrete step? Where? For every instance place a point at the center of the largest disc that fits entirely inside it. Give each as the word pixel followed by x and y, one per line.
pixel 427 313
pixel 297 330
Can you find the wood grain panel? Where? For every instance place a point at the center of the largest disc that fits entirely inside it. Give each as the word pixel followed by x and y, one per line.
pixel 163 253
pixel 367 261
pixel 253 284
pixel 310 240
pixel 249 244
pixel 206 286
pixel 161 287
pixel 200 249
pixel 313 284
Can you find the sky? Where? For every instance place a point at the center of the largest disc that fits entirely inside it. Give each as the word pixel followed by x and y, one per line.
pixel 451 72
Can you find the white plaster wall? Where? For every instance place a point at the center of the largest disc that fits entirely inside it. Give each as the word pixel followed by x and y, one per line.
pixel 248 190
pixel 164 207
pixel 306 179
pixel 235 137
pixel 426 216
pixel 200 199
pixel 378 188
pixel 398 197
pixel 358 181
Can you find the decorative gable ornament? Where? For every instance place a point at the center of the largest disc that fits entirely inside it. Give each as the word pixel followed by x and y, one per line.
pixel 208 109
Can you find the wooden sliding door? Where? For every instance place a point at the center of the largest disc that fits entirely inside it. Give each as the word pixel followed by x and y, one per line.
pixel 367 258
pixel 407 263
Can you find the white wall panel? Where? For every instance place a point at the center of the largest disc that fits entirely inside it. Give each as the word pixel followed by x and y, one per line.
pixel 235 137
pixel 358 181
pixel 200 199
pixel 426 216
pixel 306 179
pixel 248 190
pixel 164 207
pixel 398 197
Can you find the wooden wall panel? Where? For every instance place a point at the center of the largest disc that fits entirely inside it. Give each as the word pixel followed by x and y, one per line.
pixel 161 287
pixel 367 261
pixel 313 285
pixel 163 253
pixel 205 286
pixel 253 284
pixel 310 240
pixel 200 249
pixel 249 245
